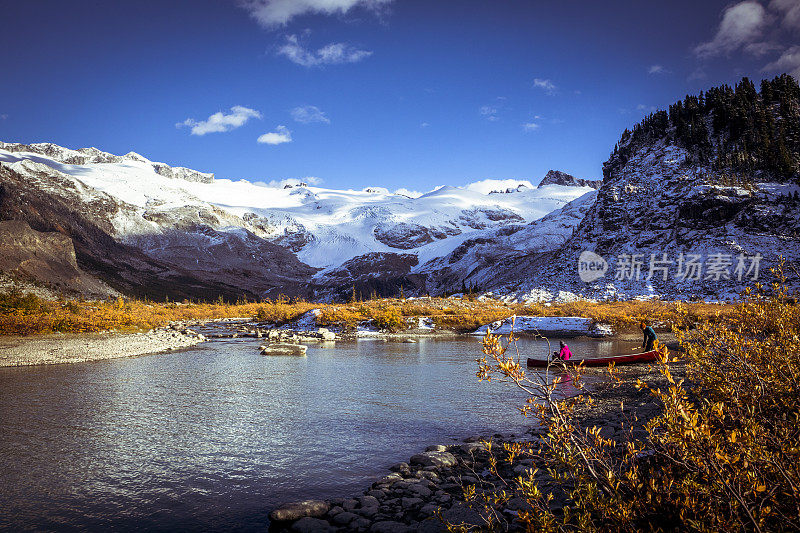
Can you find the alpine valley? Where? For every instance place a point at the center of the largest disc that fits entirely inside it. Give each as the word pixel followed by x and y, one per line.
pixel 716 175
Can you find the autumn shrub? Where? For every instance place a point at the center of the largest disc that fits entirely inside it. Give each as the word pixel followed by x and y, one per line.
pixel 722 454
pixel 345 317
pixel 389 319
pixel 16 301
pixel 626 314
pixel 25 314
pixel 281 311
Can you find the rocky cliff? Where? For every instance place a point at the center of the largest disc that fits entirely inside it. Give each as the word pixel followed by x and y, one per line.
pixel 38 256
pixel 687 207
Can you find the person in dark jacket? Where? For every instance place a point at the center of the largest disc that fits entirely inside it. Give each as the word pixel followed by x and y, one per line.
pixel 649 337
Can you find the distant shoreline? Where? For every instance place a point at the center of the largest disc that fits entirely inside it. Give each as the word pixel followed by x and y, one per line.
pixel 50 349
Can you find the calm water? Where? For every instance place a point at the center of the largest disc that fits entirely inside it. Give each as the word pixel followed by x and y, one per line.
pixel 214 437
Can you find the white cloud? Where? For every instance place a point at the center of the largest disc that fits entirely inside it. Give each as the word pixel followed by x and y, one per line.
pixel 790 10
pixel 489 112
pixel 330 54
pixel 762 49
pixel 219 122
pixel 650 108
pixel 424 125
pixel 3 116
pixel 279 136
pixel 530 126
pixel 309 114
pixel 546 85
pixel 406 192
pixel 788 62
pixel 272 13
pixel 741 24
pixel 657 69
pixel 489 185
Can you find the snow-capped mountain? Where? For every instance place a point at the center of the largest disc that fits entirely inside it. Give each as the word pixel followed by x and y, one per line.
pixel 264 239
pixel 694 202
pixel 699 201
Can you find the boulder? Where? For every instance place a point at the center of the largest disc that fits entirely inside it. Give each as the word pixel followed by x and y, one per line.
pixel 369 501
pixel 462 514
pixel 389 527
pixel 311 525
pixel 472 447
pixel 344 518
pixel 326 334
pixel 296 510
pixel 437 459
pixel 284 349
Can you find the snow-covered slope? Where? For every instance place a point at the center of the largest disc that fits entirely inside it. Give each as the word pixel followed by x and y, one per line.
pixel 659 209
pixel 191 219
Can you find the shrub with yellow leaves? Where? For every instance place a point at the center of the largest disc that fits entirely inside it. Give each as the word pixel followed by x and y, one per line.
pixel 723 454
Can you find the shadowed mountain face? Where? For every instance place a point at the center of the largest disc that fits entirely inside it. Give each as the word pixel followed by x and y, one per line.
pixel 716 177
pixel 556 177
pixel 50 256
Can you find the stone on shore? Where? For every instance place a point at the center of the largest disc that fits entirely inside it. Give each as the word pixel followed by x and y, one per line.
pixel 437 459
pixel 462 514
pixel 284 349
pixel 296 510
pixel 472 447
pixel 311 525
pixel 326 334
pixel 389 527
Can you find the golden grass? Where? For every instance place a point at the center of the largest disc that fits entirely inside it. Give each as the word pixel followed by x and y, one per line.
pixel 26 314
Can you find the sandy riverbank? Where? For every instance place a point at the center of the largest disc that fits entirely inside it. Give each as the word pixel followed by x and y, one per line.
pixel 76 348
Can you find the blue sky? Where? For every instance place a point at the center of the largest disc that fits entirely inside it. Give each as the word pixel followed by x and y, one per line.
pixel 361 93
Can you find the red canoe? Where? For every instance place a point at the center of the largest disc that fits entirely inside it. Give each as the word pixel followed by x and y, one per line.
pixel 627 359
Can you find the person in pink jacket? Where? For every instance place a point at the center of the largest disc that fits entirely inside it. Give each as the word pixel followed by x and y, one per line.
pixel 564 354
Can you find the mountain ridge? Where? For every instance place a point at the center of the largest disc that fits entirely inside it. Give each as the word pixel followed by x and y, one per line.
pixel 255 240
pixel 716 176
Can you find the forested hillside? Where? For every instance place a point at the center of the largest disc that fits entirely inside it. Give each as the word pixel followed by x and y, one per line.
pixel 753 133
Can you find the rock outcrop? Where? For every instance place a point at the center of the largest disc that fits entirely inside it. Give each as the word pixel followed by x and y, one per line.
pixel 47 258
pixel 556 177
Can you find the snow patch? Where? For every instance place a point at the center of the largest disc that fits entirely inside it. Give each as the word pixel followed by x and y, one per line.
pixel 562 325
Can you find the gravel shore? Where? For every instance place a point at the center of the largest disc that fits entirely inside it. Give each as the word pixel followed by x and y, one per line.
pixel 76 348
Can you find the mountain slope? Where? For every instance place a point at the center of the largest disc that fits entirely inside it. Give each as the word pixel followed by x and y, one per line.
pixel 666 193
pixel 237 236
pixel 33 255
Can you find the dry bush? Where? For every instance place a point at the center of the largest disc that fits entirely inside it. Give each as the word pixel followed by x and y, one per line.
pixel 722 455
pixel 281 311
pixel 629 313
pixel 389 319
pixel 345 317
pixel 27 315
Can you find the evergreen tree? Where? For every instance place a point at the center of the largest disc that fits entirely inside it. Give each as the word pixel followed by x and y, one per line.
pixel 733 128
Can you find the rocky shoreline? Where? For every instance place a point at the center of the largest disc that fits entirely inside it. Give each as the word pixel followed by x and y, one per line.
pixel 416 495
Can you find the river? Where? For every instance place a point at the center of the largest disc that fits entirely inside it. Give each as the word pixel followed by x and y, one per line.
pixel 214 437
